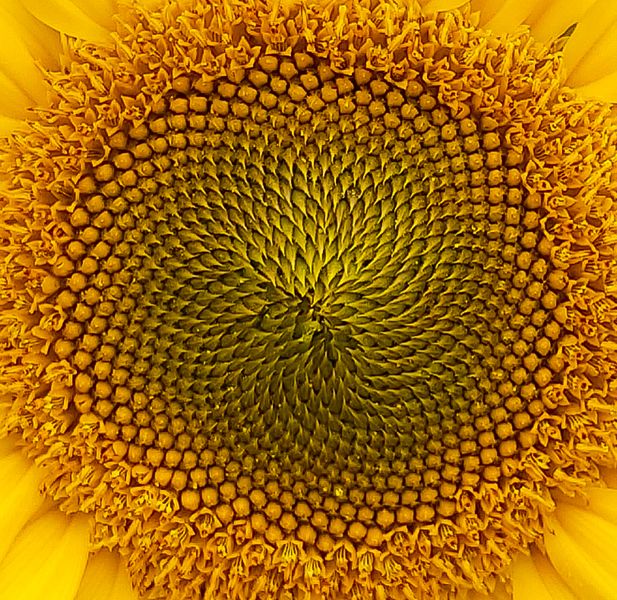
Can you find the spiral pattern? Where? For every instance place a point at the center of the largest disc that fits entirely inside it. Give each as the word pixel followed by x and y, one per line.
pixel 336 327
pixel 307 310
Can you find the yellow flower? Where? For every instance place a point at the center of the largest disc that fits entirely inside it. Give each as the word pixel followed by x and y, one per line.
pixel 308 299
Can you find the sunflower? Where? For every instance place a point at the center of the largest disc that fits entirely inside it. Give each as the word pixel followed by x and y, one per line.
pixel 308 299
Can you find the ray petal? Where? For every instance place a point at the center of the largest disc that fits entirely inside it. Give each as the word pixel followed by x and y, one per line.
pixel 21 499
pixel 603 502
pixel 433 6
pixel 105 577
pixel 511 15
pixel 47 559
pixel 90 20
pixel 526 580
pixel 553 18
pixel 581 546
pixel 8 125
pixel 42 41
pixel 27 45
pixel 18 65
pixel 591 50
pixel 604 89
pixel 487 9
pixel 535 577
pixel 499 593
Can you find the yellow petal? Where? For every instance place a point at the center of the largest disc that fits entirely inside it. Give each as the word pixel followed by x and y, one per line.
pixel 526 581
pixel 13 101
pixel 581 545
pixel 511 14
pixel 499 593
pixel 548 19
pixel 105 578
pixel 7 447
pixel 18 68
pixel 487 9
pixel 89 19
pixel 8 125
pixel 21 58
pixel 47 559
pixel 591 50
pixel 535 578
pixel 42 41
pixel 20 498
pixel 603 502
pixel 609 476
pixel 553 18
pixel 433 6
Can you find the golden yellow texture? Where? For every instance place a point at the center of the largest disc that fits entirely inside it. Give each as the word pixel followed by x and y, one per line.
pixel 311 300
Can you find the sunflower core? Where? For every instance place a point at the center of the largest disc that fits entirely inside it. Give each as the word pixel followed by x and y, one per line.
pixel 292 304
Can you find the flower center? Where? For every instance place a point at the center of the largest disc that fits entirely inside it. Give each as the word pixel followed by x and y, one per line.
pixel 312 295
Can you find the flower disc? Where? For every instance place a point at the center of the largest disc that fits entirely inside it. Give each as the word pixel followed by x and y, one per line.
pixel 290 301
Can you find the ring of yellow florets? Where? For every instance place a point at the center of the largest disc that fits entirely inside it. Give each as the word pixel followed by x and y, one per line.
pixel 345 270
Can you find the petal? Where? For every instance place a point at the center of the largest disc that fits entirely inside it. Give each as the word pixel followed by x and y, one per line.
pixel 90 20
pixel 487 9
pixel 18 68
pixel 499 593
pixel 42 41
pixel 510 15
pixel 14 99
pixel 548 19
pixel 526 580
pixel 534 577
pixel 581 545
pixel 21 498
pixel 8 125
pixel 433 6
pixel 106 577
pixel 27 45
pixel 609 476
pixel 604 89
pixel 553 18
pixel 47 559
pixel 592 48
pixel 603 502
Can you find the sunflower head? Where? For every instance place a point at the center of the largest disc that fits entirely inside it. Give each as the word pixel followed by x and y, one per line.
pixel 310 297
